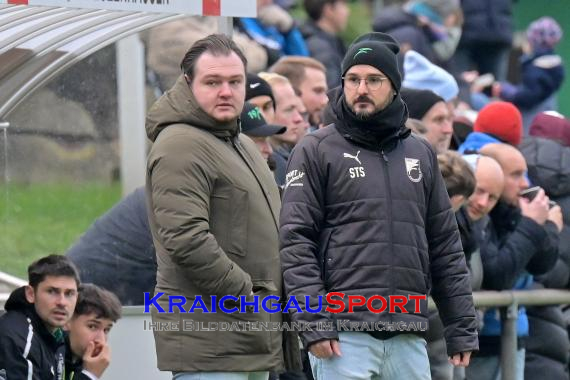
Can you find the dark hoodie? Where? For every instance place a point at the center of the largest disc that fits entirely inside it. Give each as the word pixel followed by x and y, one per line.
pixel 26 344
pixel 404 27
pixel 325 48
pixel 366 212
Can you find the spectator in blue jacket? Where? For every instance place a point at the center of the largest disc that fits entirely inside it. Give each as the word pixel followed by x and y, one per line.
pixel 542 72
pixel 275 30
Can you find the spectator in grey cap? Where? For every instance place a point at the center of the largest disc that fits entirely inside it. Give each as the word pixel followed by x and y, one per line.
pixel 366 214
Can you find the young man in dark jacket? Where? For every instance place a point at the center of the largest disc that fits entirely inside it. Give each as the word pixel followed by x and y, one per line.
pixel 87 354
pixel 366 214
pixel 31 336
pixel 327 19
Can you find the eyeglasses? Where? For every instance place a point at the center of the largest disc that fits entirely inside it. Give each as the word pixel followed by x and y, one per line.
pixel 373 82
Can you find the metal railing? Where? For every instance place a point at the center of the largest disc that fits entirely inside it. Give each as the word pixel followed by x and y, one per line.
pixel 509 301
pixel 130 332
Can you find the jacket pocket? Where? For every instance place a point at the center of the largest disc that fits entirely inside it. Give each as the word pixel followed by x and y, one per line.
pixel 239 219
pixel 229 215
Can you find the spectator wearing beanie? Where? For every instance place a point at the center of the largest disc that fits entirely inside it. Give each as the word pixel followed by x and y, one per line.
pixel 337 168
pixel 551 125
pixel 497 122
pixel 432 111
pixel 258 92
pixel 542 73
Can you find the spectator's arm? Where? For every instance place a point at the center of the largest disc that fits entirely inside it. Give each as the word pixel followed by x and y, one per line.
pixel 302 247
pixel 502 265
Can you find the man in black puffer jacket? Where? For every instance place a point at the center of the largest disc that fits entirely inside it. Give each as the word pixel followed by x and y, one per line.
pixel 547 151
pixel 366 213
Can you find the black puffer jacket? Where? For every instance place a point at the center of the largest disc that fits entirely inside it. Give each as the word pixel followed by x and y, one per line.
pixel 373 220
pixel 548 344
pixel 26 344
pixel 487 21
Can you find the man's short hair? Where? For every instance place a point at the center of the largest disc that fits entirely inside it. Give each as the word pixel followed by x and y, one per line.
pixel 215 44
pixel 95 300
pixel 314 8
pixel 52 265
pixel 273 79
pixel 293 68
pixel 457 174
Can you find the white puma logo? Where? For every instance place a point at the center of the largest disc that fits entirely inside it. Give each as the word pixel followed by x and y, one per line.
pixel 346 155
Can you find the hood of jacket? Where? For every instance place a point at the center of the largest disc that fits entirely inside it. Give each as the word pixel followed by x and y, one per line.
pixel 393 17
pixel 179 106
pixel 18 302
pixel 548 164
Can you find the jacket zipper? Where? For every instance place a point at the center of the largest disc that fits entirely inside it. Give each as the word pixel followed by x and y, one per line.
pixel 390 225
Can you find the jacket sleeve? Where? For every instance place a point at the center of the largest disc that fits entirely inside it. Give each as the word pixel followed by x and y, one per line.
pixel 450 278
pixel 180 190
pixel 537 85
pixel 301 222
pixel 503 264
pixel 13 361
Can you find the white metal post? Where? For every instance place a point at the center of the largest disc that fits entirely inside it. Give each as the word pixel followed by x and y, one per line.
pixel 132 110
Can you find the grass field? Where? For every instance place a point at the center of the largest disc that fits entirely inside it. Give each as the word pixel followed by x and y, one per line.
pixel 39 219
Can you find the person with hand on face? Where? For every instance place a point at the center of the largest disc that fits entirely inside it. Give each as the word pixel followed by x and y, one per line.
pixel 31 336
pixel 88 354
pixel 356 191
pixel 520 240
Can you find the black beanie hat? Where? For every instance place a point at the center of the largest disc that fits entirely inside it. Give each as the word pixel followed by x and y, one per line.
pixel 378 50
pixel 257 86
pixel 419 101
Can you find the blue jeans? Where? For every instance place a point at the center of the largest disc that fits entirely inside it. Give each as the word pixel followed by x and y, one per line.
pixel 263 375
pixel 367 358
pixel 489 367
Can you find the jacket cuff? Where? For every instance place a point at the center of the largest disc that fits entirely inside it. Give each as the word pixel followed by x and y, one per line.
pixel 311 337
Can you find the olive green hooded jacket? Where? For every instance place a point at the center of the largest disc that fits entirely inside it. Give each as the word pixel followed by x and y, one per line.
pixel 213 210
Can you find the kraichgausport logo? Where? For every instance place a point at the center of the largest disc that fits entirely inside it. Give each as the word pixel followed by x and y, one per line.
pixel 336 302
pixel 362 51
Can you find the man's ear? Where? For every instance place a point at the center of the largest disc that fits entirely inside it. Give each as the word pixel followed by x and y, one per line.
pixel 30 295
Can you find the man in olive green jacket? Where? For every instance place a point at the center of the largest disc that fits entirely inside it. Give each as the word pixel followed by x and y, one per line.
pixel 213 209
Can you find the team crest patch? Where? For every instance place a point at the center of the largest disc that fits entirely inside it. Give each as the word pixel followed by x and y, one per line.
pixel 413 169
